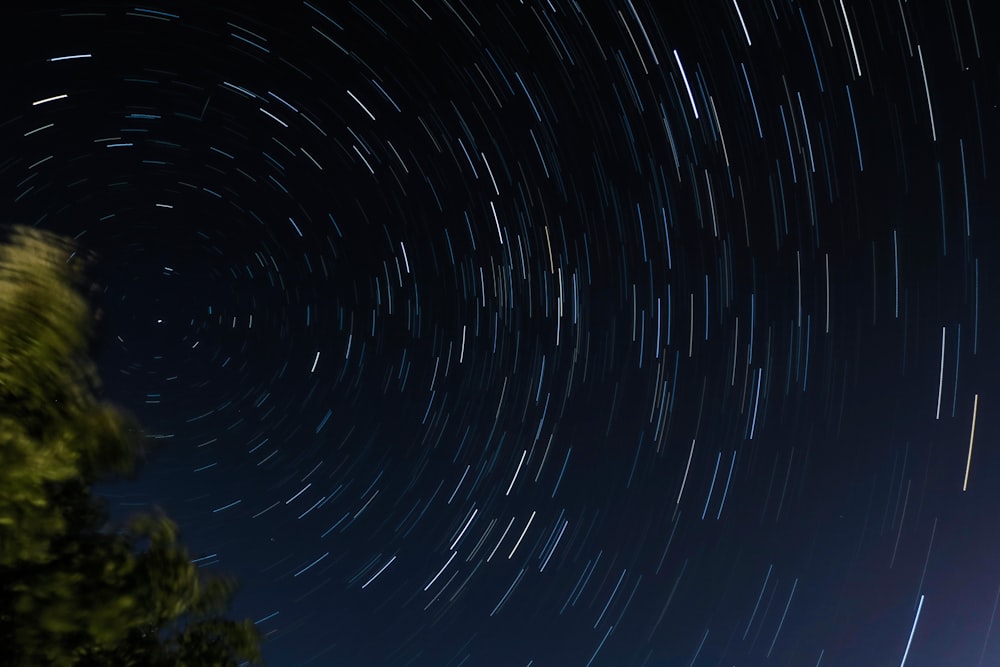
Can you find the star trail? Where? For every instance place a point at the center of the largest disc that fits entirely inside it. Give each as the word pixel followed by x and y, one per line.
pixel 545 333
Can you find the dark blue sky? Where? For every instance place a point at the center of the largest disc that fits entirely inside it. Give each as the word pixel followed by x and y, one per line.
pixel 545 334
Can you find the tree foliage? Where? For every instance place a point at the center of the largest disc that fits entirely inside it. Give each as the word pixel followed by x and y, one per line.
pixel 76 591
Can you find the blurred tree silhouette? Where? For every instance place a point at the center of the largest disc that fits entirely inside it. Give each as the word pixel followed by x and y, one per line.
pixel 74 590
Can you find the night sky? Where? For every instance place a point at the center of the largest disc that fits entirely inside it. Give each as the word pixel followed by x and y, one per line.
pixel 545 333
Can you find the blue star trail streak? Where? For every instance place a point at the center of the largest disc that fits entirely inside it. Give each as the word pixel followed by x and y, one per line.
pixel 545 333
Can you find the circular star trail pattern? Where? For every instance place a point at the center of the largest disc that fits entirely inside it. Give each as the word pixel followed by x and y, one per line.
pixel 545 333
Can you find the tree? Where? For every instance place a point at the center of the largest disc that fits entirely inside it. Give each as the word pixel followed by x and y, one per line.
pixel 76 591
